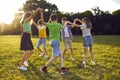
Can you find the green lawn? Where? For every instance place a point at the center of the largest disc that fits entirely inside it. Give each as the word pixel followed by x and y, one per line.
pixel 106 53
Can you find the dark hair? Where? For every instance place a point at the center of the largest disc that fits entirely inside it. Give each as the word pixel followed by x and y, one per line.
pixel 54 17
pixel 88 23
pixel 39 21
pixel 65 19
pixel 26 15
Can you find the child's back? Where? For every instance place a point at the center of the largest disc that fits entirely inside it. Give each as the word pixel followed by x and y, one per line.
pixel 54 30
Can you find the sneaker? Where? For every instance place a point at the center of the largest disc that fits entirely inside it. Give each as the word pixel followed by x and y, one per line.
pixel 43 69
pixel 46 56
pixel 73 59
pixel 93 63
pixel 64 70
pixel 64 59
pixel 26 63
pixel 41 54
pixel 22 68
pixel 83 64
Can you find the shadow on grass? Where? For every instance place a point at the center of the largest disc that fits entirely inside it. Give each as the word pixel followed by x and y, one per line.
pixel 103 72
pixel 34 73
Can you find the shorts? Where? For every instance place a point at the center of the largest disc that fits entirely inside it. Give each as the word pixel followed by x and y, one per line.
pixel 67 43
pixel 41 41
pixel 55 48
pixel 87 41
pixel 26 43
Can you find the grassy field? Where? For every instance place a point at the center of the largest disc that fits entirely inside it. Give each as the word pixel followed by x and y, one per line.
pixel 106 53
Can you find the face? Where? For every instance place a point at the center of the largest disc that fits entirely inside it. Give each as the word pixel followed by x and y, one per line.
pixel 64 21
pixel 83 21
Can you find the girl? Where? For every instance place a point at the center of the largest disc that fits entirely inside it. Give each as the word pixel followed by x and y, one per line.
pixel 87 37
pixel 42 37
pixel 26 43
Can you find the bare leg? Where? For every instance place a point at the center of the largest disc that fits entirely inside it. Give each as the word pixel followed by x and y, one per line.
pixel 71 50
pixel 40 50
pixel 61 60
pixel 91 53
pixel 45 51
pixel 30 53
pixel 85 53
pixel 50 61
pixel 64 51
pixel 24 58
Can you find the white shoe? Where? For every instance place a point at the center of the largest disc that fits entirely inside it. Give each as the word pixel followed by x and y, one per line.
pixel 46 56
pixel 93 63
pixel 73 59
pixel 84 64
pixel 22 68
pixel 26 63
pixel 41 54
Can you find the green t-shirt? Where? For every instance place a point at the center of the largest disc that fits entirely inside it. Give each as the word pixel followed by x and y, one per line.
pixel 54 30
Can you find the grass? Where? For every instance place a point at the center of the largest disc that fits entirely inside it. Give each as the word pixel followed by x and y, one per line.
pixel 106 53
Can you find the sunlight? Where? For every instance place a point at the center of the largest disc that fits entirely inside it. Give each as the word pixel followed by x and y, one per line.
pixel 8 9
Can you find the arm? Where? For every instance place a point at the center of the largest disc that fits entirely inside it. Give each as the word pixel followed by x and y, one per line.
pixel 35 23
pixel 78 20
pixel 76 25
pixel 68 22
pixel 35 12
pixel 41 15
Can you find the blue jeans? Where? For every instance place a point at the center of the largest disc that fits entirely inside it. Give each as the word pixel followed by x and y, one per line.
pixel 55 48
pixel 87 41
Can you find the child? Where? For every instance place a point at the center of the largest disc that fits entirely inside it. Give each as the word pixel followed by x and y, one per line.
pixel 87 38
pixel 26 43
pixel 67 37
pixel 54 32
pixel 42 37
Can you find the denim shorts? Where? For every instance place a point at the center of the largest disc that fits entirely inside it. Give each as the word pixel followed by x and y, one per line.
pixel 55 48
pixel 41 41
pixel 87 41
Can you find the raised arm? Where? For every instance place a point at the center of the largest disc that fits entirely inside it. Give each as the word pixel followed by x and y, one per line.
pixel 66 23
pixel 35 23
pixel 33 14
pixel 41 15
pixel 76 25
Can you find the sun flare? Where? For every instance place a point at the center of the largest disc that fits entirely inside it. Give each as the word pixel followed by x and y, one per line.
pixel 8 9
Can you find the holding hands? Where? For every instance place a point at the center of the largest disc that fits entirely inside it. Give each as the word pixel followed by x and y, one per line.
pixel 77 20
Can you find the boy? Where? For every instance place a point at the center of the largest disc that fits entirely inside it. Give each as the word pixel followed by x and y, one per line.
pixel 67 37
pixel 54 32
pixel 42 37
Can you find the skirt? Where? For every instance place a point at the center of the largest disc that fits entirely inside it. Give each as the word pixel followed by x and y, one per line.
pixel 26 43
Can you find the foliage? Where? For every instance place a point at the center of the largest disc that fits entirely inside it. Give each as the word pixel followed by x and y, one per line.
pixel 103 21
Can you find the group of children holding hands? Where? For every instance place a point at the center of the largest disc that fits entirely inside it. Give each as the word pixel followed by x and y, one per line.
pixel 55 29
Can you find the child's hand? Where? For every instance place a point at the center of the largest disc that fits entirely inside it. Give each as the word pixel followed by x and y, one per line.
pixel 41 10
pixel 76 19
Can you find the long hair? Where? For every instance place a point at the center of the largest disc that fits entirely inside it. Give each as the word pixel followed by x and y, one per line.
pixel 87 21
pixel 26 15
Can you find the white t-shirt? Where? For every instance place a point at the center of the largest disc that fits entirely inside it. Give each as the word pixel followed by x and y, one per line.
pixel 85 31
pixel 66 32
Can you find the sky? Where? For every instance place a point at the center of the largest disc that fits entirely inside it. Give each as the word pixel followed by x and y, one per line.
pixel 83 5
pixel 8 8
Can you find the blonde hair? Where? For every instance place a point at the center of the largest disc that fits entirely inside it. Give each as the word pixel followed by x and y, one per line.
pixel 87 21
